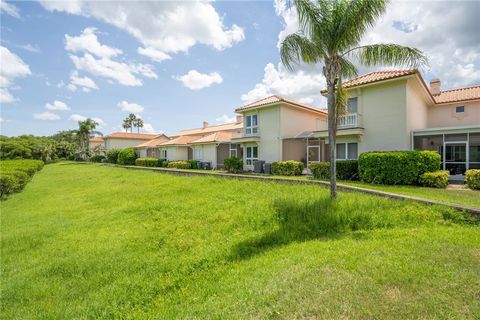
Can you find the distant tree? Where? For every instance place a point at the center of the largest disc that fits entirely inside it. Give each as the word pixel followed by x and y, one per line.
pixel 86 129
pixel 138 124
pixel 126 124
pixel 133 120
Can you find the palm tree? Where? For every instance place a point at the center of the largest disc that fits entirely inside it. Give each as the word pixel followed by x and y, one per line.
pixel 330 32
pixel 126 124
pixel 132 118
pixel 139 124
pixel 86 129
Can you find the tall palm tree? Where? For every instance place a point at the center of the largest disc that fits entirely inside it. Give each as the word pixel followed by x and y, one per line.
pixel 86 129
pixel 139 124
pixel 330 32
pixel 132 118
pixel 126 124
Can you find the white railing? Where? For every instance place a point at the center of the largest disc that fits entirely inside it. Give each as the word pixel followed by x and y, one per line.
pixel 351 120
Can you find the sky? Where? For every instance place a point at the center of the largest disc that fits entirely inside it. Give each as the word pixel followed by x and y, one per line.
pixel 177 64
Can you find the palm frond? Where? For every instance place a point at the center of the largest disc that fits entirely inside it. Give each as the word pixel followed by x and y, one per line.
pixel 295 48
pixel 390 54
pixel 347 68
pixel 341 98
pixel 309 15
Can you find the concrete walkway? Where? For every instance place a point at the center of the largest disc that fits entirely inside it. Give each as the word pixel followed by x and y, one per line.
pixel 341 187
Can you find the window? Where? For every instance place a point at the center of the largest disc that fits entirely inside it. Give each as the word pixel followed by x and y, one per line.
pixel 164 154
pixel 352 105
pixel 347 151
pixel 460 109
pixel 251 124
pixel 252 154
pixel 197 153
pixel 233 150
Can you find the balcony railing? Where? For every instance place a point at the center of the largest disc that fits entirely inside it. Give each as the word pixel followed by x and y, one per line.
pixel 351 120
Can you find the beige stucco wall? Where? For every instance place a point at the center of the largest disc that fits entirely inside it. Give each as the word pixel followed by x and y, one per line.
pixel 295 121
pixel 175 153
pixel 208 153
pixel 383 115
pixel 294 149
pixel 114 143
pixel 444 115
pixel 417 106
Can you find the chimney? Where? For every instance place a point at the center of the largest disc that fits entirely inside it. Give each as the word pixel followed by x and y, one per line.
pixel 435 86
pixel 239 119
pixel 205 124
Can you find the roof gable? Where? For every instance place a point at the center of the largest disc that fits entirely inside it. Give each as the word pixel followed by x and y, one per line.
pixel 275 99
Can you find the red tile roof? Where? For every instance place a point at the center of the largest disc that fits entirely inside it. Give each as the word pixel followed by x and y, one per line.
pixel 457 95
pixel 209 129
pixel 221 136
pixel 179 141
pixel 137 136
pixel 96 140
pixel 276 99
pixel 153 143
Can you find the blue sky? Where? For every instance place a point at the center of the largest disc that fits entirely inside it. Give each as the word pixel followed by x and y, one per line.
pixel 177 64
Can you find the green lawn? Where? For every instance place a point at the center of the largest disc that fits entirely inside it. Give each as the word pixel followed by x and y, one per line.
pixel 465 197
pixel 91 241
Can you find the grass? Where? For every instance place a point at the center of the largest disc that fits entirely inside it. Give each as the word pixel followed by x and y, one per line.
pixel 466 197
pixel 91 241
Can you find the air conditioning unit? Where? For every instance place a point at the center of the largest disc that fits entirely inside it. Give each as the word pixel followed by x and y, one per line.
pixel 258 166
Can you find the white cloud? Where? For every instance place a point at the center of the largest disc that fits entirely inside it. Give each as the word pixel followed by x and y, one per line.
pixel 88 42
pixel 299 85
pixel 154 54
pixel 195 80
pixel 85 83
pixel 147 127
pixel 11 67
pixel 46 116
pixel 78 117
pixel 30 48
pixel 160 25
pixel 57 105
pixel 130 107
pixel 226 119
pixel 9 9
pixel 2 120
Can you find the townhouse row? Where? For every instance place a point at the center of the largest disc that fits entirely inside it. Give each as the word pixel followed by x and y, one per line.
pixel 387 110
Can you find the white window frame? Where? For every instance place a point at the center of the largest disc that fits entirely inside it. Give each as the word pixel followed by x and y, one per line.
pixel 233 147
pixel 346 150
pixel 163 154
pixel 198 156
pixel 249 160
pixel 252 129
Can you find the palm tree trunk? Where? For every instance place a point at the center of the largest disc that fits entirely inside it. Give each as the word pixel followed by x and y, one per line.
pixel 332 128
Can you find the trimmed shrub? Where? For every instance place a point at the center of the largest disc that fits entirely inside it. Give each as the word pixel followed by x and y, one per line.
pixel 320 170
pixel 112 155
pixel 127 157
pixel 347 170
pixel 148 162
pixel 15 174
pixel 179 165
pixel 435 179
pixel 396 167
pixel 97 158
pixel 194 164
pixel 287 168
pixel 233 165
pixel 472 178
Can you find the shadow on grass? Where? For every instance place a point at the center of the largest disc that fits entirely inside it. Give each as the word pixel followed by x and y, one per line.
pixel 300 221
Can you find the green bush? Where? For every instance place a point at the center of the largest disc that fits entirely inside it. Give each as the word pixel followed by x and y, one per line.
pixel 435 179
pixel 149 162
pixel 473 178
pixel 15 174
pixel 179 165
pixel 112 155
pixel 347 170
pixel 97 158
pixel 397 167
pixel 287 168
pixel 233 165
pixel 194 164
pixel 320 170
pixel 127 157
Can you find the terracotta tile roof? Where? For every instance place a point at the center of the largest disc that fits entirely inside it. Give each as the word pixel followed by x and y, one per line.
pixel 276 99
pixel 456 95
pixel 375 77
pixel 221 136
pixel 97 140
pixel 127 135
pixel 180 141
pixel 153 143
pixel 209 129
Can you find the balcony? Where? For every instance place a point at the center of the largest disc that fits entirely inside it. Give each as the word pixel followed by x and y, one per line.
pixel 351 120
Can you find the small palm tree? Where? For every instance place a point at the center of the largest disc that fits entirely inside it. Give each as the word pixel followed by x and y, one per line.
pixel 330 33
pixel 139 124
pixel 86 129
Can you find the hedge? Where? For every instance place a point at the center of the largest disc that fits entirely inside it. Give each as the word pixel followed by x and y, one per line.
pixel 346 170
pixel 15 174
pixel 97 158
pixel 112 155
pixel 472 178
pixel 194 164
pixel 179 165
pixel 287 168
pixel 149 162
pixel 397 167
pixel 127 157
pixel 233 165
pixel 435 179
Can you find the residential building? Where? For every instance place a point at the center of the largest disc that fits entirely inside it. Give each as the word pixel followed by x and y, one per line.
pixel 96 145
pixel 149 149
pixel 122 140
